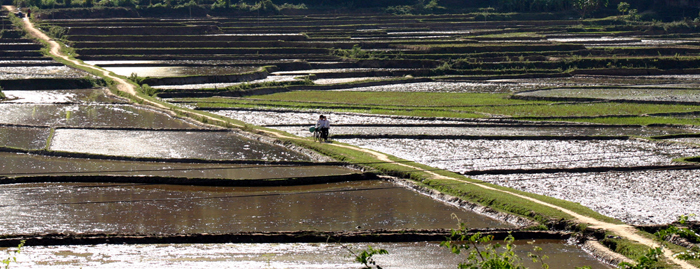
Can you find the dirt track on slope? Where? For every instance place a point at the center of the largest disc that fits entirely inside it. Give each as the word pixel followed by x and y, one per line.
pixel 625 231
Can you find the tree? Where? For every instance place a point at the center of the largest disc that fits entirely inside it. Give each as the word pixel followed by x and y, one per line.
pixel 587 6
pixel 623 7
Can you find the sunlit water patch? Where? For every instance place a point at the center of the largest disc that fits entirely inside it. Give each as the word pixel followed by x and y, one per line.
pixel 169 144
pixel 468 155
pixel 489 131
pixel 640 197
pixel 88 115
pixel 588 80
pixel 279 78
pixel 418 255
pixel 480 87
pixel 287 117
pixel 327 81
pixel 27 72
pixel 337 70
pixel 165 209
pixel 19 165
pixel 176 71
pixel 23 137
pixel 59 96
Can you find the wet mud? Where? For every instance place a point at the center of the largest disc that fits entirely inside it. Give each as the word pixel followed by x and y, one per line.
pixel 23 137
pixel 170 144
pixel 304 255
pixel 154 209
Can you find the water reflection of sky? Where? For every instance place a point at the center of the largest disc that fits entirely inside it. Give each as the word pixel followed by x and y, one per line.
pixel 167 209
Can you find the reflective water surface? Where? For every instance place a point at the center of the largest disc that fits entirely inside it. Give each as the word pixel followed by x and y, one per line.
pixel 23 137
pixel 416 255
pixel 169 144
pixel 93 115
pixel 174 71
pixel 492 131
pixel 60 96
pixel 154 209
pixel 17 164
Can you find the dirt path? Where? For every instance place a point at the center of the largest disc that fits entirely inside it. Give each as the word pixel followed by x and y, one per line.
pixel 625 231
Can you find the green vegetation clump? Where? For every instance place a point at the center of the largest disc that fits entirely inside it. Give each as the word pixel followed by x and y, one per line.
pixel 357 53
pixel 2 95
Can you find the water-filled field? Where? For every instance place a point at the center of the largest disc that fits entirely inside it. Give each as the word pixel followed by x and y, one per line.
pixel 59 97
pixel 416 255
pixel 88 115
pixel 276 78
pixel 169 144
pixel 23 137
pixel 640 197
pixel 40 72
pixel 31 165
pixel 163 209
pixel 469 155
pixel 175 71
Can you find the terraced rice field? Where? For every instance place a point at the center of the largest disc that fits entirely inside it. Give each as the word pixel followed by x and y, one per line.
pixel 21 61
pixel 543 106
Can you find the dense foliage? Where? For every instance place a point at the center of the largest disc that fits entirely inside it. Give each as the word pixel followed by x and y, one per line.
pixel 661 10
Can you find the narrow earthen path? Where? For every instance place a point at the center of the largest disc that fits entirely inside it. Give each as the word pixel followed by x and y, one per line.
pixel 622 230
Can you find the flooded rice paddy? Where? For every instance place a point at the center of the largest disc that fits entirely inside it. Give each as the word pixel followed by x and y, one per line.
pixel 476 87
pixel 691 140
pixel 85 108
pixel 298 123
pixel 640 197
pixel 329 81
pixel 23 137
pixel 278 78
pixel 27 72
pixel 167 209
pixel 177 71
pixel 60 97
pixel 477 155
pixel 475 130
pixel 169 144
pixel 88 115
pixel 22 165
pixel 295 117
pixel 416 255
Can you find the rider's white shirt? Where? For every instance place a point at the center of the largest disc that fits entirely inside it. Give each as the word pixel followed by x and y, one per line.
pixel 323 124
